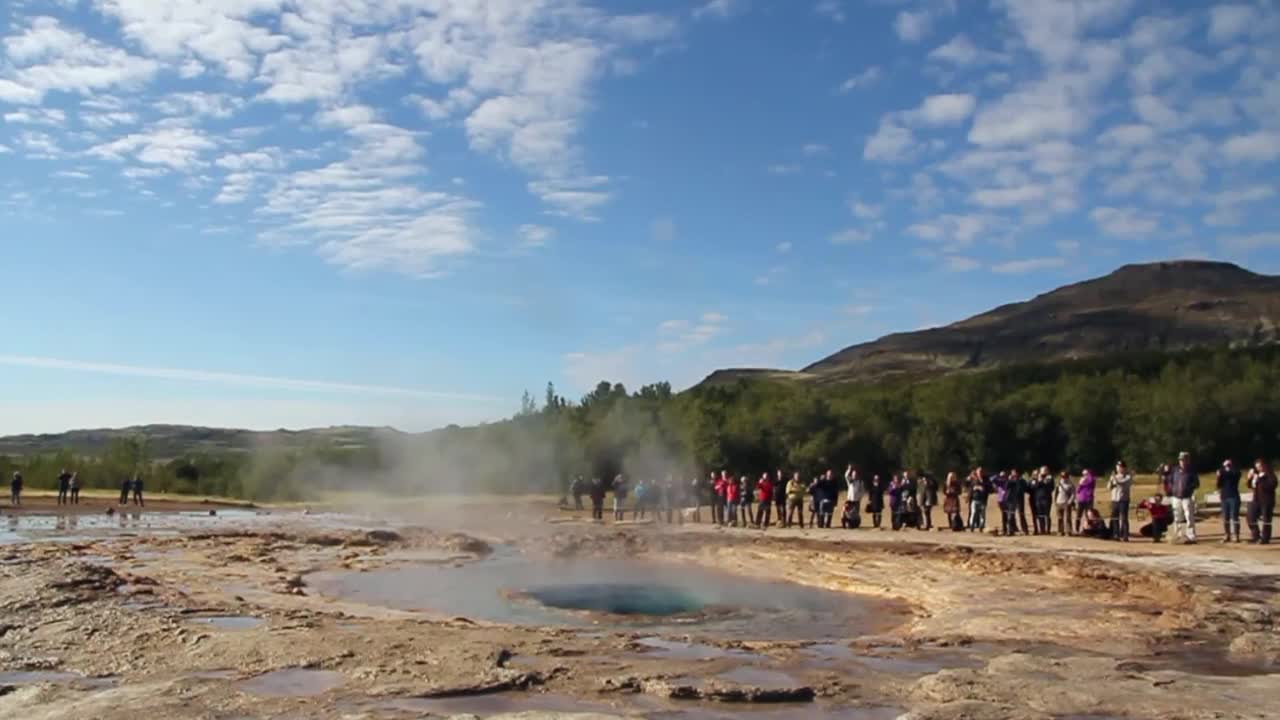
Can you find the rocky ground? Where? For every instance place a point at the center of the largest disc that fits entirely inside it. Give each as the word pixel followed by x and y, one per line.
pixel 231 622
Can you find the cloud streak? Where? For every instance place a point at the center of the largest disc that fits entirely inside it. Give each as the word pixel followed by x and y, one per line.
pixel 238 379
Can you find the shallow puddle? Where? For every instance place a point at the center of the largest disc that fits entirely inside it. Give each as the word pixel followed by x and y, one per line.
pixel 230 622
pixel 500 703
pixel 759 677
pixel 831 651
pixel 27 677
pixel 96 524
pixel 1203 661
pixel 679 650
pixel 21 677
pixel 508 587
pixel 807 711
pixel 293 682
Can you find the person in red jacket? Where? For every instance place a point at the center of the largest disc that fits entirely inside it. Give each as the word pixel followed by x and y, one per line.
pixel 764 496
pixel 732 496
pixel 717 498
pixel 1161 517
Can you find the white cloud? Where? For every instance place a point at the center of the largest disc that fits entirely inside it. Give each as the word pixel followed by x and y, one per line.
pixel 866 78
pixel 533 236
pixel 890 143
pixel 1261 146
pixel 850 236
pixel 783 247
pixel 177 147
pixel 1248 243
pixel 200 104
pixel 347 116
pixel 912 26
pixel 960 263
pixel 1226 22
pixel 864 211
pixel 36 116
pixel 1038 112
pixel 48 57
pixel 1053 29
pixel 1156 111
pixel 1010 196
pixel 952 230
pixel 1124 222
pixel 814 149
pixel 1132 135
pixel 718 9
pixel 574 197
pixel 945 109
pixel 663 229
pixel 1228 204
pixel 961 52
pixel 1030 265
pixel 39 145
pixel 17 93
pixel 679 336
pixel 364 212
pixel 830 9
pixel 530 81
pixel 1240 196
pixel 265 158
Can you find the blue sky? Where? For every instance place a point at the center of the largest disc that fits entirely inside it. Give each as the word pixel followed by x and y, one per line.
pixel 267 213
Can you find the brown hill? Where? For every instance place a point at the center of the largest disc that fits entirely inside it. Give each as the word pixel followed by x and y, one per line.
pixel 1163 306
pixel 1166 306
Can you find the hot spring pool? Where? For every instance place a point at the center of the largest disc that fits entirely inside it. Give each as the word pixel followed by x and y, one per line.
pixel 619 599
pixel 508 587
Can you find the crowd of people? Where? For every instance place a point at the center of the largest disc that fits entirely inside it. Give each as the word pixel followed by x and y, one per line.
pixel 1061 503
pixel 69 489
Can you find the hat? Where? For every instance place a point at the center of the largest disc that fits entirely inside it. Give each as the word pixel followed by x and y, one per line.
pixel 1184 455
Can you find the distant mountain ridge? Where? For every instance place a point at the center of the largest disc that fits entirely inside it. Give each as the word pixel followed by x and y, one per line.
pixel 1164 306
pixel 168 441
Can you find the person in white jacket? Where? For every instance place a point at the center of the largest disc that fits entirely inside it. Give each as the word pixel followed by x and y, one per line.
pixel 854 491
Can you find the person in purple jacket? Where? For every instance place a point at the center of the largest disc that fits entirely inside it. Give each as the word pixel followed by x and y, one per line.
pixel 1084 496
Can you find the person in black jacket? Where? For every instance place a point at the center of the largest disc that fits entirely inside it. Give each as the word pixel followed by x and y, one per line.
pixel 15 489
pixel 1229 497
pixel 64 486
pixel 597 492
pixel 137 491
pixel 979 488
pixel 780 497
pixel 926 499
pixel 1042 500
pixel 1263 505
pixel 875 499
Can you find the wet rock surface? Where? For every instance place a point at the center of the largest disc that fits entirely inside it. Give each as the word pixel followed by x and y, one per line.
pixel 970 627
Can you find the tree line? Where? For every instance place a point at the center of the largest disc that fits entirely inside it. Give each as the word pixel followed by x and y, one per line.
pixel 1142 408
